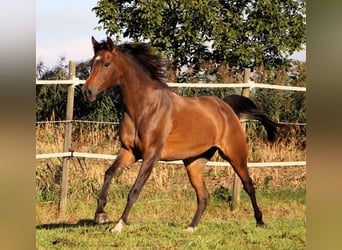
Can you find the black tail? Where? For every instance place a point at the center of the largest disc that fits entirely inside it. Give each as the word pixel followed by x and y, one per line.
pixel 245 108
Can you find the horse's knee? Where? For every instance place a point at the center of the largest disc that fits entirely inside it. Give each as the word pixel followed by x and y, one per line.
pixel 249 187
pixel 133 195
pixel 111 171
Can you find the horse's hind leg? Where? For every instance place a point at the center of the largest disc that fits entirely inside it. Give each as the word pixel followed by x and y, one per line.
pixel 123 159
pixel 238 160
pixel 195 172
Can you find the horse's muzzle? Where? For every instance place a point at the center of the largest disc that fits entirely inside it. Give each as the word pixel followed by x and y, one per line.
pixel 88 94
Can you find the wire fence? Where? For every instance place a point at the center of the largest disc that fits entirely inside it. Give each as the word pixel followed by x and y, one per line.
pixel 118 122
pixel 69 153
pixel 250 84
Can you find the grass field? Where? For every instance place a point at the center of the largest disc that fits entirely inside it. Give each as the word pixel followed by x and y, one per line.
pixel 158 221
pixel 167 204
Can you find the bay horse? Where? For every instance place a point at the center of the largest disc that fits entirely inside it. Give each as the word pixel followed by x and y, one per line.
pixel 158 124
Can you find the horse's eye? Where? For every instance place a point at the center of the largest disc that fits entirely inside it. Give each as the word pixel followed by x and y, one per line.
pixel 106 64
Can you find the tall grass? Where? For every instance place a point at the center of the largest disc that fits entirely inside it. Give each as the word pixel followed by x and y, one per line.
pixel 168 201
pixel 158 220
pixel 86 175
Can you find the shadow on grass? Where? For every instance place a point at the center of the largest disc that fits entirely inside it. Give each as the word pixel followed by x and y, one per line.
pixel 80 223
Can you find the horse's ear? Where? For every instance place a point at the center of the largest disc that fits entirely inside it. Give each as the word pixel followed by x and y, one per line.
pixel 110 44
pixel 94 42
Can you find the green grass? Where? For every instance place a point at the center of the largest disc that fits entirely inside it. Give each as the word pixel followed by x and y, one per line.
pixel 233 234
pixel 168 202
pixel 158 221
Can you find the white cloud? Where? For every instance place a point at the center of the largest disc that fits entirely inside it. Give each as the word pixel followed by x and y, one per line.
pixel 78 49
pixel 64 28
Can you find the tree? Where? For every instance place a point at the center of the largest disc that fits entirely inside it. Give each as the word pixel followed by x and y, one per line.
pixel 237 33
pixel 260 32
pixel 51 99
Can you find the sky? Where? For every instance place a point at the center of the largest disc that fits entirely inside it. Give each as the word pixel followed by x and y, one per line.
pixel 64 28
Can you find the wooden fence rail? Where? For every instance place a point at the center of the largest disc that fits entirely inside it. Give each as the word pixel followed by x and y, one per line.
pixel 209 163
pixel 67 154
pixel 250 84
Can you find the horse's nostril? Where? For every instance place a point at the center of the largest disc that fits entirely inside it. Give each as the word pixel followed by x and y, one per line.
pixel 88 93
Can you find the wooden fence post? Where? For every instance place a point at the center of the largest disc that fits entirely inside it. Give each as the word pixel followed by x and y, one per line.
pixel 67 139
pixel 237 181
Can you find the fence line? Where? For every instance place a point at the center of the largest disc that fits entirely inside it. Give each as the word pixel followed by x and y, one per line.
pixel 209 163
pixel 78 121
pixel 117 123
pixel 73 81
pixel 250 84
pixel 76 81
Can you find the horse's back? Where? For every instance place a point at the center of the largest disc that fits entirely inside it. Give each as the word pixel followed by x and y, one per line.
pixel 207 109
pixel 198 124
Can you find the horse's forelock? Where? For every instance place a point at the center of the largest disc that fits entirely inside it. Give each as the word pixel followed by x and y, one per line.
pixel 101 46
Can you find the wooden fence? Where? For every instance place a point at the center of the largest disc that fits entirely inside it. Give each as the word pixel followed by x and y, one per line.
pixel 68 153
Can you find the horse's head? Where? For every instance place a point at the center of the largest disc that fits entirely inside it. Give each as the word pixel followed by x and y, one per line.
pixel 104 69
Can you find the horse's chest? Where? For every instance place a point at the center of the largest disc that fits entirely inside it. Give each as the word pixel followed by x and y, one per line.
pixel 136 137
pixel 149 130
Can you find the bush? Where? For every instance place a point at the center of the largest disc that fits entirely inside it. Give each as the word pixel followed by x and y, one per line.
pixel 286 106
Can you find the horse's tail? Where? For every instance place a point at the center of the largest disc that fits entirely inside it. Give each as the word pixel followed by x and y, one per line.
pixel 246 108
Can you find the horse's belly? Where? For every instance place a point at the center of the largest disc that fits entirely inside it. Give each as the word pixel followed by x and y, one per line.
pixel 186 145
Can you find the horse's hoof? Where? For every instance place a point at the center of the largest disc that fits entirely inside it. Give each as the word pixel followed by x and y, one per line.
pixel 118 228
pixel 191 229
pixel 261 225
pixel 100 218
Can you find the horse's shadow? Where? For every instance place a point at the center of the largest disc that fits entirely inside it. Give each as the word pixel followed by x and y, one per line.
pixel 80 223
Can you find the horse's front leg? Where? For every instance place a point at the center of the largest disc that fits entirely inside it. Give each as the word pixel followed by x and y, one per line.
pixel 144 173
pixel 123 159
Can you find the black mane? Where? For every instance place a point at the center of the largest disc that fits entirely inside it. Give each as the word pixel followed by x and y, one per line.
pixel 142 54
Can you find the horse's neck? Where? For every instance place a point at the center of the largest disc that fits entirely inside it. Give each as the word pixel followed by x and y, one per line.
pixel 136 92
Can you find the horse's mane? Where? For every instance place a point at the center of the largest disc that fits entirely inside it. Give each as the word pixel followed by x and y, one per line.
pixel 142 55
